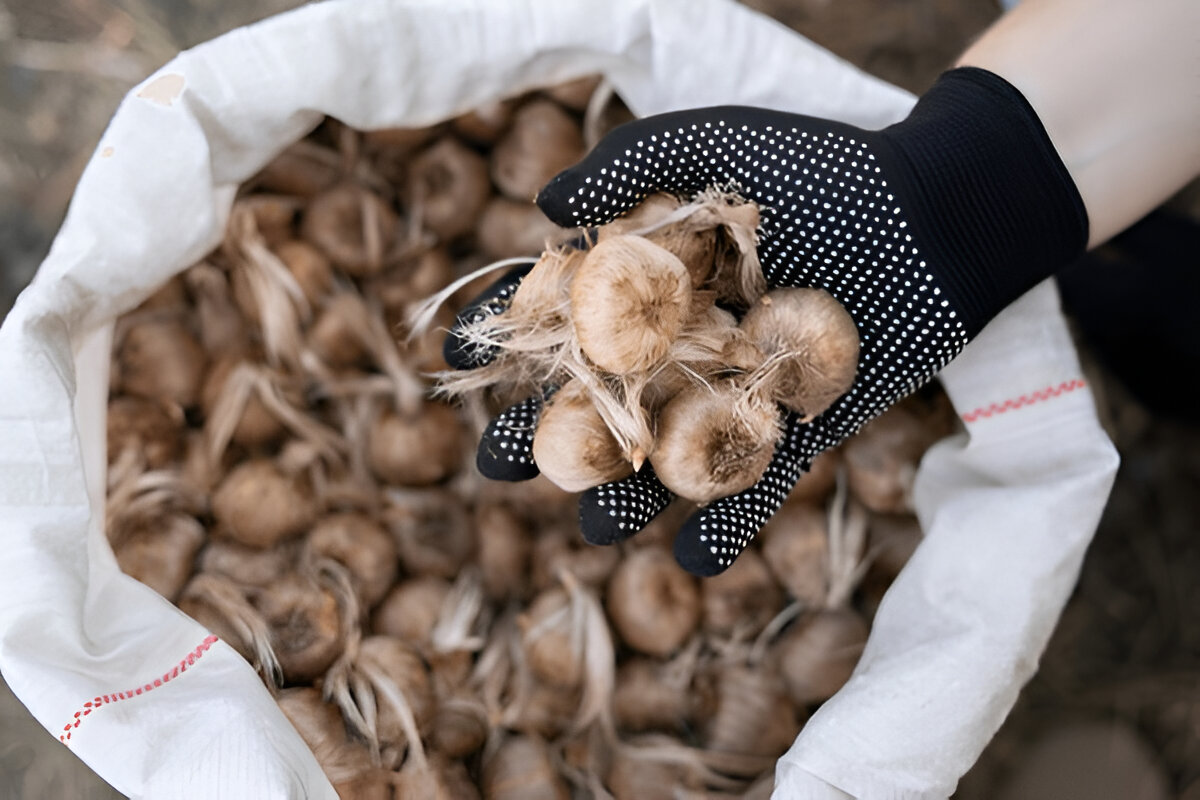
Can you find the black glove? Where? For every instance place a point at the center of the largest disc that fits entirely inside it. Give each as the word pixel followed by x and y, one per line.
pixel 923 231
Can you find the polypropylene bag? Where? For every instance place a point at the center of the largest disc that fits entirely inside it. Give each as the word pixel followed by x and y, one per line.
pixel 160 708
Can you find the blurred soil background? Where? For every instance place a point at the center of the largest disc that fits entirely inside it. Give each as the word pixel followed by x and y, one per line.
pixel 1114 711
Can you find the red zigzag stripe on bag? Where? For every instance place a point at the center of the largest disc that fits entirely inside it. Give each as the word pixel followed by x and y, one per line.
pixel 105 699
pixel 1023 400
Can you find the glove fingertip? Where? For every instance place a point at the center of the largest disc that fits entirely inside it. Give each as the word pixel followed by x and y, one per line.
pixel 703 552
pixel 555 198
pixel 613 512
pixel 505 451
pixel 599 522
pixel 499 464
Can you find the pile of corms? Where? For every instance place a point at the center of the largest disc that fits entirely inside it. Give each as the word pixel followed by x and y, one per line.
pixel 278 469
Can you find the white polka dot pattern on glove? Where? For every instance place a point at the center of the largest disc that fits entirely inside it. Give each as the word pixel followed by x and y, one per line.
pixel 829 219
pixel 505 450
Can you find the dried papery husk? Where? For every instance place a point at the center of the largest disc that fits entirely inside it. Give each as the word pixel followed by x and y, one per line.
pixel 629 300
pixel 160 359
pixel 255 425
pixel 411 609
pixel 362 546
pixel 815 485
pixel 252 405
pixel 505 543
pixel 567 643
pixel 738 279
pixel 812 343
pixel 485 124
pixel 893 540
pixel 714 441
pixel 631 777
pixel 304 169
pixel 521 769
pixel 817 655
pixel 385 694
pixel 535 325
pixel 402 686
pixel 416 450
pixel 530 340
pixel 881 460
pixel 223 331
pixel 510 227
pixel 259 505
pixel 473 263
pixel 432 530
pixel 583 758
pixel 753 714
pixel 495 672
pixel 265 291
pixel 221 606
pixel 460 726
pixel 795 545
pixel 198 469
pixel 848 522
pixel 741 600
pixel 449 187
pixel 652 603
pixel 458 632
pixel 248 566
pixel 360 320
pixel 650 695
pixel 309 267
pixel 160 552
pixel 136 497
pixel 152 429
pixel 573 446
pixel 351 485
pixel 515 699
pixel 353 227
pixel 542 142
pixel 720 770
pixel 320 725
pixel 306 621
pixel 552 639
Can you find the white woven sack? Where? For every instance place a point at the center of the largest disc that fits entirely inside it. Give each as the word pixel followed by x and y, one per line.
pixel 160 709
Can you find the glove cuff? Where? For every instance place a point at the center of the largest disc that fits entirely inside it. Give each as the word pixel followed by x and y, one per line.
pixel 991 202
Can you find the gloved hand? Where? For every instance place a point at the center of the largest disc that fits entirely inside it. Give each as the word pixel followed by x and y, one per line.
pixel 923 231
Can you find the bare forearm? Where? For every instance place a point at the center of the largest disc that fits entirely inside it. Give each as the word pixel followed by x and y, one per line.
pixel 1117 85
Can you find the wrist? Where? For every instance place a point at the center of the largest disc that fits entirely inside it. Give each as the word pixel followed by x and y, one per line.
pixel 990 202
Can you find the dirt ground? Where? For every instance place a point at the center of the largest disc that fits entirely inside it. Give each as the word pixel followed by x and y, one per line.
pixel 1117 698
